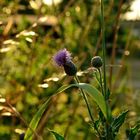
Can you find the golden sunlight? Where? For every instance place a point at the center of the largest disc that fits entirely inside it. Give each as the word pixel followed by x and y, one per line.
pixel 134 14
pixel 51 2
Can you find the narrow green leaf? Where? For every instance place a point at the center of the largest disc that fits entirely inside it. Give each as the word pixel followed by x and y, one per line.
pixel 57 136
pixel 117 123
pixel 34 122
pixel 93 92
pixel 63 88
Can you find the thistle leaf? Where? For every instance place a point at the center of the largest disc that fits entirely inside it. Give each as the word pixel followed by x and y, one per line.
pixel 117 123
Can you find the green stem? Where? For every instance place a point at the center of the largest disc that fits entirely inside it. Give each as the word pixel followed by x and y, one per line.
pixel 104 66
pixel 86 100
pixel 103 46
pixel 88 107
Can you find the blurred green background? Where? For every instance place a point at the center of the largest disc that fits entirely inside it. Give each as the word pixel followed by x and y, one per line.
pixel 32 31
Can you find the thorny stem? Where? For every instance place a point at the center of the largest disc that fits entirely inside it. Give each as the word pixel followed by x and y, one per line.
pixel 88 107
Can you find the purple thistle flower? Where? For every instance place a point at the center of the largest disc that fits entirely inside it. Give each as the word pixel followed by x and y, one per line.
pixel 62 57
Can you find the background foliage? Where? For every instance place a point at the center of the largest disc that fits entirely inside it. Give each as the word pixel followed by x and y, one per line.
pixel 31 32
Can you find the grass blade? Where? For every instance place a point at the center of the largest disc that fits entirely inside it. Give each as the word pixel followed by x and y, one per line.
pixel 92 91
pixel 34 122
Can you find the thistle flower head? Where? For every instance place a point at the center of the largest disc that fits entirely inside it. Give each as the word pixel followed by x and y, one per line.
pixel 62 57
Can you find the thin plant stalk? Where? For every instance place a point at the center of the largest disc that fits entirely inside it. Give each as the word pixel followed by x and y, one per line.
pixel 104 64
pixel 103 46
pixel 88 107
pixel 86 100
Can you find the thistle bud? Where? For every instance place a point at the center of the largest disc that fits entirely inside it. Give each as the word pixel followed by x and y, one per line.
pixel 70 68
pixel 96 62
